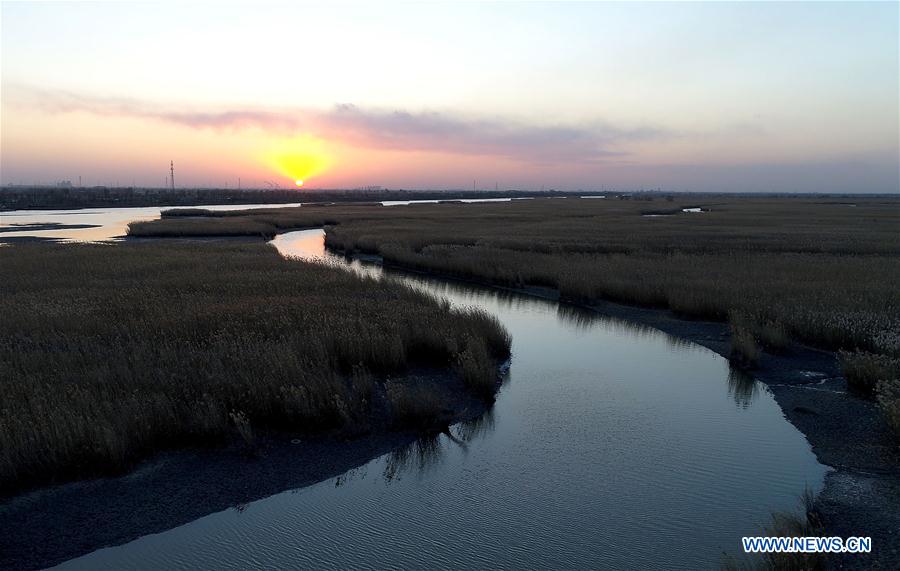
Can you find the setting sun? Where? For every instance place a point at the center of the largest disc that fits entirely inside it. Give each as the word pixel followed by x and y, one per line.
pixel 299 158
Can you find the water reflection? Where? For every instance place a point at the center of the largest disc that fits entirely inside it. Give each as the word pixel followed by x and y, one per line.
pixel 451 200
pixel 742 387
pixel 416 457
pixel 427 452
pixel 91 225
pixel 584 319
pixel 479 426
pixel 309 245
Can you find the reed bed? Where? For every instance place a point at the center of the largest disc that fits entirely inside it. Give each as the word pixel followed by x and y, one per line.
pixel 111 353
pixel 819 271
pixel 813 270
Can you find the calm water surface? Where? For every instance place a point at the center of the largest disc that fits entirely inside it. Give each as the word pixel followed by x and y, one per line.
pixel 610 446
pixel 110 223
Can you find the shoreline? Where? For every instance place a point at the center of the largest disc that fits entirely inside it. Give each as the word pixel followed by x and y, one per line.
pixel 846 432
pixel 45 526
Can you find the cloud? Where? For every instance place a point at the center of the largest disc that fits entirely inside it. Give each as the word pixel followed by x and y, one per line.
pixel 449 133
pixel 398 130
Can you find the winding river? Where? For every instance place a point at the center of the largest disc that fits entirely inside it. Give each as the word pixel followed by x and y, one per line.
pixel 611 445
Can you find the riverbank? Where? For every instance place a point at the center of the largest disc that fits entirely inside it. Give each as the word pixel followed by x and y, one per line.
pixel 111 354
pixel 846 432
pixel 45 527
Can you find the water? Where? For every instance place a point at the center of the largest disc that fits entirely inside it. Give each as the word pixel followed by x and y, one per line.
pixel 463 200
pixel 610 446
pixel 690 210
pixel 108 223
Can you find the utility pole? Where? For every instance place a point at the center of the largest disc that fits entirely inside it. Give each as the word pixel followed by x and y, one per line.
pixel 172 171
pixel 239 183
pixel 473 185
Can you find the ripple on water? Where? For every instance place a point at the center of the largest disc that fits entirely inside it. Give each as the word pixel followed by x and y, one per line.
pixel 609 446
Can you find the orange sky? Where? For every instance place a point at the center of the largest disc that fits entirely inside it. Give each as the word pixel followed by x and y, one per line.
pixel 734 97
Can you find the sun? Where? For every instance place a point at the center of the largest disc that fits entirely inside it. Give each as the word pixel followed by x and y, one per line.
pixel 299 159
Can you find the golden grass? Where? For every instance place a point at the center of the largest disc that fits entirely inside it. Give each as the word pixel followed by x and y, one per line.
pixel 109 353
pixel 807 269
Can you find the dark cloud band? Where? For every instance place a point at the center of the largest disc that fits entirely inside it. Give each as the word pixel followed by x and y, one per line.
pixel 401 130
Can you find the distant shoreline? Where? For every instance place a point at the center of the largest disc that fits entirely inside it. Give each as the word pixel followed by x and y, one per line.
pixel 75 198
pixel 44 198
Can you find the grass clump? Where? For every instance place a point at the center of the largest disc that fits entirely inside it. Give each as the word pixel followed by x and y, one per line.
pixel 473 363
pixel 887 395
pixel 745 351
pixel 111 353
pixel 864 371
pixel 789 524
pixel 749 335
pixel 786 524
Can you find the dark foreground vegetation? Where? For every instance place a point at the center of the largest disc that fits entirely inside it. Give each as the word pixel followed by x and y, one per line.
pixel 818 271
pixel 808 523
pixel 109 353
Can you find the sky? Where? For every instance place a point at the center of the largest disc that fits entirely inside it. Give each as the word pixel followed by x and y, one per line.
pixel 734 97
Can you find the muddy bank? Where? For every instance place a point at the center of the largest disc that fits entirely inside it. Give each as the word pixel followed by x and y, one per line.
pixel 846 432
pixel 51 525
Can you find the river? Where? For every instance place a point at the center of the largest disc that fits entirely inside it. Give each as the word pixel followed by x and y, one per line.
pixel 110 224
pixel 611 445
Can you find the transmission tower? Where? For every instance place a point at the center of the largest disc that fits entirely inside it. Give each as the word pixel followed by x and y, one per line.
pixel 172 171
